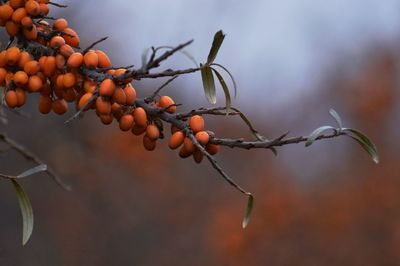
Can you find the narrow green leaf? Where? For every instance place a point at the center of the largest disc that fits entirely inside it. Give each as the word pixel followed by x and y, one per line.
pixel 230 75
pixel 226 91
pixel 249 209
pixel 32 171
pixel 218 40
pixel 317 133
pixel 208 84
pixel 26 211
pixel 145 55
pixel 364 141
pixel 335 115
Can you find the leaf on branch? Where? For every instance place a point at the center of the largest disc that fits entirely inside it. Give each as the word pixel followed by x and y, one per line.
pixel 253 131
pixel 364 141
pixel 208 84
pixel 218 40
pixel 249 209
pixel 317 133
pixel 336 116
pixel 32 171
pixel 226 91
pixel 26 211
pixel 230 75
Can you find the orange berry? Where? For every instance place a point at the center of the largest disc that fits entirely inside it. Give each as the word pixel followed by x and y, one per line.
pixel 50 66
pixel 107 88
pixel 44 1
pixel 11 99
pixel 12 55
pixel 35 83
pixel 69 80
pixel 120 71
pixel 44 9
pixel 56 42
pixel 9 77
pixel 115 107
pixel 138 130
pixel 166 101
pixel 69 95
pixel 119 96
pixel 84 99
pixel 212 148
pixel 196 123
pixel 188 145
pixel 12 28
pixel 198 156
pixel 75 60
pixel 59 82
pixel 89 86
pixel 149 144
pixel 6 12
pixel 33 8
pixel 18 15
pixel 70 37
pixel 3 73
pixel 103 106
pixel 60 24
pixel 153 132
pixel 21 97
pixel 66 50
pixel 126 122
pixel 46 89
pixel 130 93
pixel 106 119
pixel 60 61
pixel 42 61
pixel 176 140
pixel 24 58
pixel 104 60
pixel 140 117
pixel 202 137
pixel 16 3
pixel 91 59
pixel 27 22
pixel 20 78
pixel 59 106
pixel 45 104
pixel 3 58
pixel 30 34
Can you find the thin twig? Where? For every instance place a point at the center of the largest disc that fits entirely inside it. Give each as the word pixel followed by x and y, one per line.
pixel 151 98
pixel 58 5
pixel 94 44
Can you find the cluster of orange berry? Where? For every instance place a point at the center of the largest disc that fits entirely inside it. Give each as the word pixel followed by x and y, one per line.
pixel 56 72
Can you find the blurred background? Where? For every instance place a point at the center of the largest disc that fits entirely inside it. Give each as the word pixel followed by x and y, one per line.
pixel 328 204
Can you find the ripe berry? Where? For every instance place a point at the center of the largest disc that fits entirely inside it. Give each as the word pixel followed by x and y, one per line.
pixel 202 137
pixel 70 37
pixel 56 42
pixel 149 144
pixel 18 15
pixel 153 132
pixel 60 24
pixel 130 93
pixel 176 140
pixel 198 156
pixel 91 59
pixel 166 101
pixel 138 130
pixel 75 60
pixel 11 99
pixel 50 66
pixel 12 28
pixel 20 78
pixel 24 58
pixel 103 106
pixel 21 97
pixel 107 88
pixel 126 122
pixel 12 55
pixel 84 100
pixel 66 50
pixel 6 12
pixel 69 80
pixel 35 83
pixel 140 117
pixel 16 3
pixel 119 96
pixel 59 106
pixel 212 148
pixel 33 8
pixel 45 104
pixel 196 123
pixel 104 60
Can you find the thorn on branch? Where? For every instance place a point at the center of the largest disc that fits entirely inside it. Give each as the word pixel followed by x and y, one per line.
pixel 94 44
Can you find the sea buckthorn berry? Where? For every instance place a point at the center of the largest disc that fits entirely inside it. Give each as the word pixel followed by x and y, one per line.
pixel 115 107
pixel 69 95
pixel 119 96
pixel 103 106
pixel 6 12
pixel 44 9
pixel 50 66
pixel 32 7
pixel 21 97
pixel 59 106
pixel 198 156
pixel 70 37
pixel 56 42
pixel 138 130
pixel 16 3
pixel 30 34
pixel 27 22
pixel 107 88
pixel 42 61
pixel 59 82
pixel 84 99
pixel 111 72
pixel 3 73
pixel 12 55
pixel 75 60
pixel 89 86
pixel 60 24
pixel 120 71
pixel 149 144
pixel 35 83
pixel 11 99
pixel 130 93
pixel 188 145
pixel 66 50
pixel 46 89
pixel 32 67
pixel 24 58
pixel 196 123
pixel 91 59
pixel 126 122
pixel 140 117
pixel 20 78
pixel 106 119
pixel 69 80
pixel 3 58
pixel 9 77
pixel 60 61
pixel 43 1
pixel 212 148
pixel 202 137
pixel 45 104
pixel 104 60
pixel 12 28
pixel 176 140
pixel 166 101
pixel 184 152
pixel 153 132
pixel 18 15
